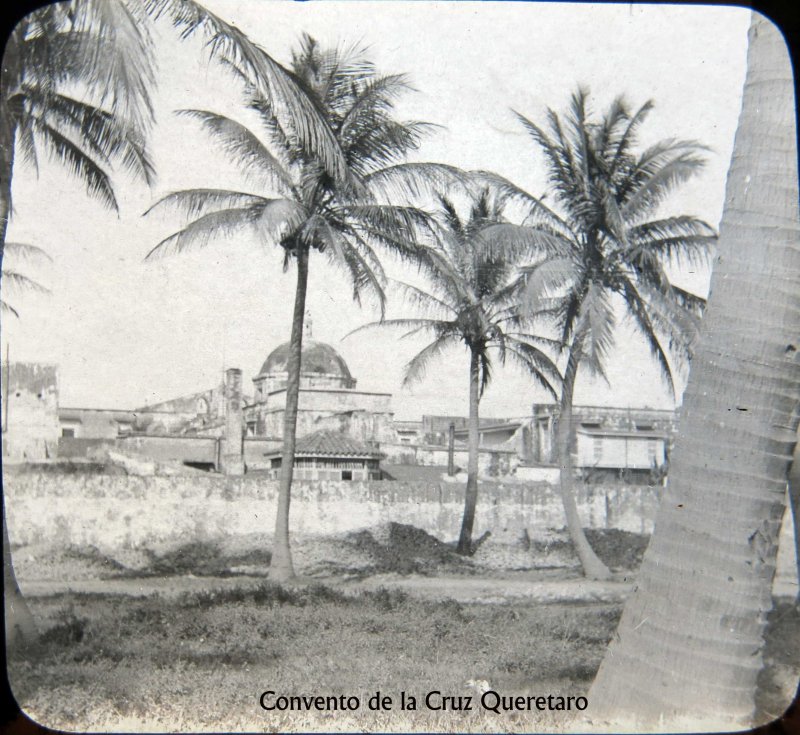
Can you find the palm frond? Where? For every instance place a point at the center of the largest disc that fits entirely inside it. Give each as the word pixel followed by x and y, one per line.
pixel 6 308
pixel 202 231
pixel 280 88
pixel 415 324
pixel 416 180
pixel 535 362
pixel 655 188
pixel 683 240
pixel 638 309
pixel 418 365
pixel 194 202
pixel 254 158
pixel 596 323
pixel 537 212
pixel 22 282
pixel 424 300
pixel 23 251
pixel 79 163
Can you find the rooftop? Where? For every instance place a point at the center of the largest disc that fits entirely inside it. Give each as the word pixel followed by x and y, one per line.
pixel 316 358
pixel 329 444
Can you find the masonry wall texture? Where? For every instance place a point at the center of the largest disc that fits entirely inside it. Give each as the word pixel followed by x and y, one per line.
pixel 116 513
pixel 123 512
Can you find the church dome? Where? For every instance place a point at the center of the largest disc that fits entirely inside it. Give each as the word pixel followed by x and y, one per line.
pixel 317 358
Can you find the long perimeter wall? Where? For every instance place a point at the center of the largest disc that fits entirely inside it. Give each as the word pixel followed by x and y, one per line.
pixel 115 512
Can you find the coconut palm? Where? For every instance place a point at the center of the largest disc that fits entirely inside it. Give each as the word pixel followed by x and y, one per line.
pixel 688 650
pixel 615 250
pixel 76 81
pixel 472 267
pixel 295 204
pixel 75 87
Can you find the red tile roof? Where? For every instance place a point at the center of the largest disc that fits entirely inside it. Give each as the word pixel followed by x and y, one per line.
pixel 330 444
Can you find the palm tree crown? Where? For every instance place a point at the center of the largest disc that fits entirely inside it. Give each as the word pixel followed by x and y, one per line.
pixel 76 81
pixel 613 239
pixel 472 267
pixel 294 202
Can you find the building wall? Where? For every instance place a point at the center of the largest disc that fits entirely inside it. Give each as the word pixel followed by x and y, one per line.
pixel 271 382
pixel 610 451
pixel 600 419
pixel 364 416
pixel 95 423
pixel 29 410
pixel 169 448
pixel 491 463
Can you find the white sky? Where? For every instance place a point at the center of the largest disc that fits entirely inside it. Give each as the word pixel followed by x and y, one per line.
pixel 125 333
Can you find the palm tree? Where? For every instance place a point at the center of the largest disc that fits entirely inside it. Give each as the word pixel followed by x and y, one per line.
pixel 76 81
pixel 294 202
pixel 615 247
pixel 473 267
pixel 687 653
pixel 65 67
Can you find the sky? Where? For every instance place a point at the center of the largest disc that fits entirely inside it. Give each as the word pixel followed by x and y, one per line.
pixel 125 332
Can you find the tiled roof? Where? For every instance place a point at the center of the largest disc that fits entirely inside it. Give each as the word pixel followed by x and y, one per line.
pixel 330 444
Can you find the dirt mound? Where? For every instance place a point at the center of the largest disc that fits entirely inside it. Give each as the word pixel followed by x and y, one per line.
pixel 392 548
pixel 616 549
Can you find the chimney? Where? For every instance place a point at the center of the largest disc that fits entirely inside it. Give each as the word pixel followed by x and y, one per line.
pixel 232 455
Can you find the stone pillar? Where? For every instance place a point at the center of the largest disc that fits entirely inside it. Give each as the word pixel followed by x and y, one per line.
pixel 232 456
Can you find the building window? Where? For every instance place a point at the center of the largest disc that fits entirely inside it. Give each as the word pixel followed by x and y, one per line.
pixel 651 449
pixel 347 474
pixel 68 433
pixel 598 448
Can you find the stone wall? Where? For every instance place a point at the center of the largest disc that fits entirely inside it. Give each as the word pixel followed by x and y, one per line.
pixel 119 512
pixel 116 513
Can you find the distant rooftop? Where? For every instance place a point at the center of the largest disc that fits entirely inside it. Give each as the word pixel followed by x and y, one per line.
pixel 329 444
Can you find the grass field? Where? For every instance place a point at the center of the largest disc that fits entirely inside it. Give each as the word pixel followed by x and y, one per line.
pixel 188 640
pixel 201 661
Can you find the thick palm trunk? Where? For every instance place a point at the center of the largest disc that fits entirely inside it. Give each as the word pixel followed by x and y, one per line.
pixel 281 567
pixel 9 71
pixel 688 649
pixel 593 568
pixel 6 168
pixel 794 507
pixel 20 628
pixel 471 494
